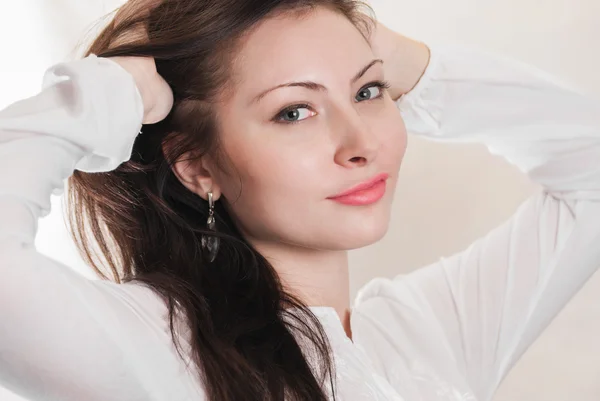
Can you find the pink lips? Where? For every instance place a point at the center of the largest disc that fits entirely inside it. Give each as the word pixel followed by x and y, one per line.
pixel 363 194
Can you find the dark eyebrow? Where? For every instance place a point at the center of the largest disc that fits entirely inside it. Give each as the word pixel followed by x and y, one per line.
pixel 315 86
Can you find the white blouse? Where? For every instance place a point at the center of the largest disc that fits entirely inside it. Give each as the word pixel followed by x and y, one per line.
pixel 447 332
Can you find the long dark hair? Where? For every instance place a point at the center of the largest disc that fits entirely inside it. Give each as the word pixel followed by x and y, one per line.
pixel 140 223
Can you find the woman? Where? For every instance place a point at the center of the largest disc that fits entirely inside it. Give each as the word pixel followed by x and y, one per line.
pixel 270 145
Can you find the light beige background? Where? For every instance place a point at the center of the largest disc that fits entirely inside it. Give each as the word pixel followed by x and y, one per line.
pixel 448 195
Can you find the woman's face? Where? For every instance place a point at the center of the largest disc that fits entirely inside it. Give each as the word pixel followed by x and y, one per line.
pixel 339 132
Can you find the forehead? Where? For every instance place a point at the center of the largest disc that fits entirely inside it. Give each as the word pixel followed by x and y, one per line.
pixel 319 45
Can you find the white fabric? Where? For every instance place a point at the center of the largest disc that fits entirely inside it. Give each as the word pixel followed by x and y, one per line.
pixel 447 332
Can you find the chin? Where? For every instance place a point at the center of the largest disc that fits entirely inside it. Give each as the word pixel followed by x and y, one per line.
pixel 363 235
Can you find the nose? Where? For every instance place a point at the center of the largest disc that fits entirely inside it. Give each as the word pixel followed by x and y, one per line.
pixel 357 145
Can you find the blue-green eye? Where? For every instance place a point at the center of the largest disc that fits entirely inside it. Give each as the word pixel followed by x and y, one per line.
pixel 294 114
pixel 368 93
pixel 373 90
pixel 299 112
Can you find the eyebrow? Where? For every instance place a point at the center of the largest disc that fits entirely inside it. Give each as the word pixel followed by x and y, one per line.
pixel 316 86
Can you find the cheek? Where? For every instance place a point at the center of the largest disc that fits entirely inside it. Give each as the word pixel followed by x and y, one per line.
pixel 279 174
pixel 270 159
pixel 267 174
pixel 273 196
pixel 393 138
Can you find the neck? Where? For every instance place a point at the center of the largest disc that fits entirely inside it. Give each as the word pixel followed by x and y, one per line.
pixel 318 277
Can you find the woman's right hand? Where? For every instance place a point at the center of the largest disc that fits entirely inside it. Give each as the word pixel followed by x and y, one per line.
pixel 405 59
pixel 156 93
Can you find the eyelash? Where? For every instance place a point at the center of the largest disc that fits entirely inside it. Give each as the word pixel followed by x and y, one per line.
pixel 382 85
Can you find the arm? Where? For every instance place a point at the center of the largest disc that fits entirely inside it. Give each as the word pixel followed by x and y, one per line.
pixel 490 302
pixel 62 336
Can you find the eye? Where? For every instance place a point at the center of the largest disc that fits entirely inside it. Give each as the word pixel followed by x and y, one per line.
pixel 373 90
pixel 294 114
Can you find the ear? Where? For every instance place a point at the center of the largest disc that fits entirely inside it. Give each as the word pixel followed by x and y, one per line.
pixel 196 174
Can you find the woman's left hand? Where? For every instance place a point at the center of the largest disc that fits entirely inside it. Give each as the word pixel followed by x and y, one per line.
pixel 404 59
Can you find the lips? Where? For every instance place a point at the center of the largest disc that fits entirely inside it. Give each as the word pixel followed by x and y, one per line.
pixel 365 193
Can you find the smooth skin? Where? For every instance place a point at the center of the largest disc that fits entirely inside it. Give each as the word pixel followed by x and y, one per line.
pixel 342 134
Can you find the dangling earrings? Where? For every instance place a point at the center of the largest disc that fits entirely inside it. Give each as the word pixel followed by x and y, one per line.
pixel 210 244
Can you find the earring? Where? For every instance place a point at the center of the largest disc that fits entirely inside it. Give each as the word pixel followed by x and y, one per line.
pixel 210 244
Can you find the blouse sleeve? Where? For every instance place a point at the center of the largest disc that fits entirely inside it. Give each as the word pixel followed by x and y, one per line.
pixel 63 336
pixel 491 301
